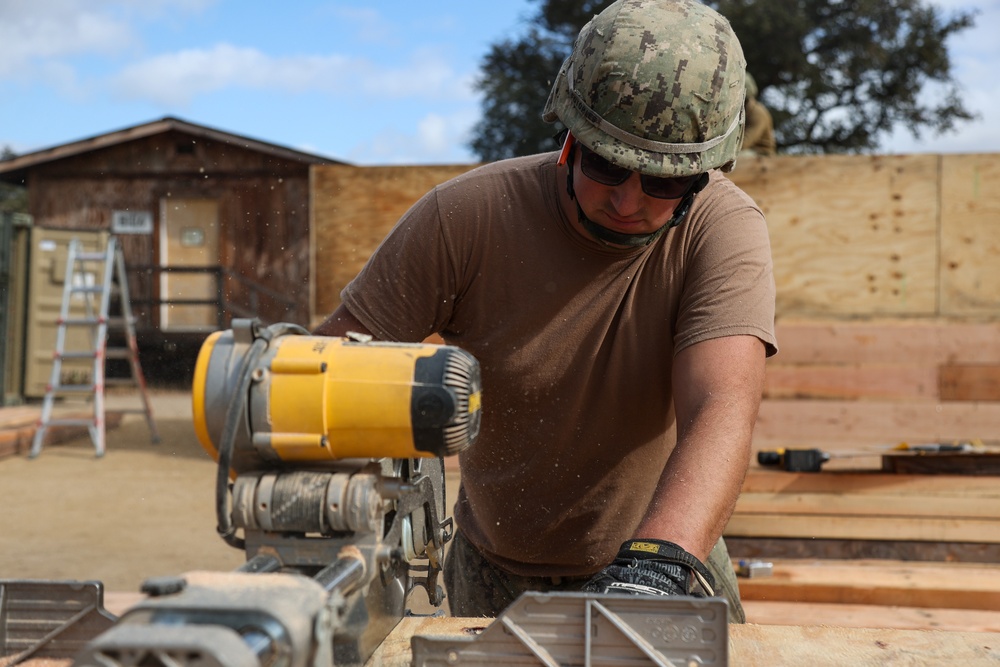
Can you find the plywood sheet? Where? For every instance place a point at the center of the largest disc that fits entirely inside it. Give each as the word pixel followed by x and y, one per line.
pixel 850 235
pixel 353 208
pixel 855 381
pixel 769 612
pixel 969 382
pixel 847 425
pixel 970 235
pixel 886 341
pixel 889 583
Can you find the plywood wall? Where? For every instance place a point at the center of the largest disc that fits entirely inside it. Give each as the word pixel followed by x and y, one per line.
pixel 353 208
pixel 970 236
pixel 911 236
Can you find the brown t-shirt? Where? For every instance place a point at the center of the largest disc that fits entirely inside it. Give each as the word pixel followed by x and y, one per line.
pixel 575 342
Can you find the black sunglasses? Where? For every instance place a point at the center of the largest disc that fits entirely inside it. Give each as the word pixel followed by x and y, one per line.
pixel 598 169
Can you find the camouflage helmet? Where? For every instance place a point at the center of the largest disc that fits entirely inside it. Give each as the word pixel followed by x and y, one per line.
pixel 655 86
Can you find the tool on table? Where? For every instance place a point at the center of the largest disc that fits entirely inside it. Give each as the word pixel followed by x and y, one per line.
pixel 330 477
pixel 752 569
pixel 812 460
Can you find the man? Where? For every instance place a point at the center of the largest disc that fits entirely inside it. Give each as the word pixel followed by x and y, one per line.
pixel 619 298
pixel 758 138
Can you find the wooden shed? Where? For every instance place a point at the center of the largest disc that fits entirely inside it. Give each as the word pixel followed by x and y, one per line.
pixel 214 225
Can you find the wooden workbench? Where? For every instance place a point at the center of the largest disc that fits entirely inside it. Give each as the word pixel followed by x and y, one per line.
pixel 769 645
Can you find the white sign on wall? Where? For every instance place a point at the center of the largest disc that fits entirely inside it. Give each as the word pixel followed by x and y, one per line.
pixel 131 222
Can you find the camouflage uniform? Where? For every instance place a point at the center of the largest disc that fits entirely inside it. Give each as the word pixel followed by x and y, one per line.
pixel 476 587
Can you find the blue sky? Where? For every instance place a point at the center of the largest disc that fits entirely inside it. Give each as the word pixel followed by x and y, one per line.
pixel 376 82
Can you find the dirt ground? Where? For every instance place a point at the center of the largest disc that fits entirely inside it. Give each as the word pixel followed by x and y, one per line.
pixel 139 511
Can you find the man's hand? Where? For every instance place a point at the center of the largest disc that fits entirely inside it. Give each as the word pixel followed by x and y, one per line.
pixel 653 567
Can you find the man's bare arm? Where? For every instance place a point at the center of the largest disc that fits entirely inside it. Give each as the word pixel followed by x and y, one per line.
pixel 717 391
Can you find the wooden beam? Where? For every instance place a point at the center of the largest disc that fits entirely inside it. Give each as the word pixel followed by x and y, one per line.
pixel 853 424
pixel 968 382
pixel 869 505
pixel 851 381
pixel 887 341
pixel 887 583
pixel 771 481
pixel 864 527
pixel 768 548
pixel 766 612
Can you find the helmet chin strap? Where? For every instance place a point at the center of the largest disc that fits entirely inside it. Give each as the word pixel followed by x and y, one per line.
pixel 612 238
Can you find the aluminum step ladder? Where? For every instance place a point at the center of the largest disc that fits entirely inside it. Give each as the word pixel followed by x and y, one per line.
pixel 97 320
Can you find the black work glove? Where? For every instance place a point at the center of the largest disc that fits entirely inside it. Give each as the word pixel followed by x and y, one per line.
pixel 653 567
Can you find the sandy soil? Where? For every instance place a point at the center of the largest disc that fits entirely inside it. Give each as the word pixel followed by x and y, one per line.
pixel 141 510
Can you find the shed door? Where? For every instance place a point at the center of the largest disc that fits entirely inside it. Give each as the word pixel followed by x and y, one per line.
pixel 189 237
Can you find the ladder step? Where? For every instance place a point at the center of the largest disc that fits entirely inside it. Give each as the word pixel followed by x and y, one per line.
pixel 83 289
pixel 73 388
pixel 86 321
pixel 91 257
pixel 120 382
pixel 70 422
pixel 118 353
pixel 89 354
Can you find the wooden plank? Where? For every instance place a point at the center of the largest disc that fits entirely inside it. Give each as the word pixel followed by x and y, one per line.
pixel 935 585
pixel 768 548
pixel 864 527
pixel 929 342
pixel 857 423
pixel 986 464
pixel 874 505
pixel 970 237
pixel 768 612
pixel 844 483
pixel 978 382
pixel 19 415
pixel 873 251
pixel 854 381
pixel 767 645
pixel 16 441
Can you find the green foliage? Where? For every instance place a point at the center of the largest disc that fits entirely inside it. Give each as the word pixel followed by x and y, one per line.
pixel 516 82
pixel 837 75
pixel 13 198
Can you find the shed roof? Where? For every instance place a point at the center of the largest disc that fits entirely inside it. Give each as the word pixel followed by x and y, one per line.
pixel 15 170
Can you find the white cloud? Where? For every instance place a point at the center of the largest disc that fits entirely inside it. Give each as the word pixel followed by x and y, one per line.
pixel 436 139
pixel 975 55
pixel 34 31
pixel 176 78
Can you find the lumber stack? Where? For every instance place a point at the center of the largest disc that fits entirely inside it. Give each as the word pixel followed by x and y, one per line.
pixel 853 545
pixel 849 385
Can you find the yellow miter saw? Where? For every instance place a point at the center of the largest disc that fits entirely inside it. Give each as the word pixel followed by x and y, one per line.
pixel 331 478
